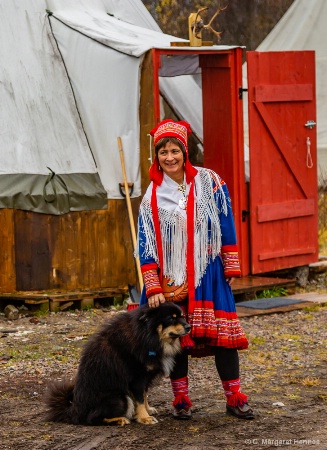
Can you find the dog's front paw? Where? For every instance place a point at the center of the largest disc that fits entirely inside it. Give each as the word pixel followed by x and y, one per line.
pixel 118 420
pixel 147 420
pixel 151 410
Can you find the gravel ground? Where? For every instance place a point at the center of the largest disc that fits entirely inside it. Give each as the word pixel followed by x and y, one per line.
pixel 284 373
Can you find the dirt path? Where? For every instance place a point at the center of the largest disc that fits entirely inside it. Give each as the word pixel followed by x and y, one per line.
pixel 285 365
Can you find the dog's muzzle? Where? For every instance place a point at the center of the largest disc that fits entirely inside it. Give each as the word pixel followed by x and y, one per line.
pixel 187 329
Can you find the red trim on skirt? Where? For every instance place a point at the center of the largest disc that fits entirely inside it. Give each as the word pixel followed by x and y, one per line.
pixel 215 329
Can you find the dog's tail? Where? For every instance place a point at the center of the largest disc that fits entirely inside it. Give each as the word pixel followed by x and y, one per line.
pixel 59 399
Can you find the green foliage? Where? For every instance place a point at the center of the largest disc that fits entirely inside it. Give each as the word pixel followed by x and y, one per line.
pixel 258 340
pixel 313 308
pixel 118 302
pixel 87 307
pixel 276 291
pixel 42 312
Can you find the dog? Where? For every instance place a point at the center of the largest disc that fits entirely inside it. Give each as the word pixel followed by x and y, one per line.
pixel 117 366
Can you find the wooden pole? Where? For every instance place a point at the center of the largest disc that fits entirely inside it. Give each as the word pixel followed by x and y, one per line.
pixel 194 41
pixel 130 212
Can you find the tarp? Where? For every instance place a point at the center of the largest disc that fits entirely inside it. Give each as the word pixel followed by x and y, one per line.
pixel 53 193
pixel 303 27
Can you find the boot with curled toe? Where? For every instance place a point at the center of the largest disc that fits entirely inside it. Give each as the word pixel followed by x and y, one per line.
pixel 237 404
pixel 241 411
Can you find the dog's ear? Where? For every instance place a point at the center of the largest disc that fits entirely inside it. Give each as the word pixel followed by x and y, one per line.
pixel 143 318
pixel 146 313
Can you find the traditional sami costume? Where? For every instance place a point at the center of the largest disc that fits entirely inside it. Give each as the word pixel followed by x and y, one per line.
pixel 186 235
pixel 213 257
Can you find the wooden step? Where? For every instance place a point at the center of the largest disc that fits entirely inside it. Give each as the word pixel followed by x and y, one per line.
pixel 250 285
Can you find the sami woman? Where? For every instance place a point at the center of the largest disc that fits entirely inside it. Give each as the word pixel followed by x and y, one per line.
pixel 187 245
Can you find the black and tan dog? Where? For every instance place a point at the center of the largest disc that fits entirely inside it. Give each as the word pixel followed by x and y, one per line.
pixel 117 366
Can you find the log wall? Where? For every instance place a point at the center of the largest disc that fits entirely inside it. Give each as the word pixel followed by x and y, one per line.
pixel 79 250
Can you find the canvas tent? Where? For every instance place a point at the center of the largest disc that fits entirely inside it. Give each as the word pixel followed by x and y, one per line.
pixel 70 85
pixel 303 27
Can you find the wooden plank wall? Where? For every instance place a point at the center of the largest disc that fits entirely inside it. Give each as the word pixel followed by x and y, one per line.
pixel 7 254
pixel 79 250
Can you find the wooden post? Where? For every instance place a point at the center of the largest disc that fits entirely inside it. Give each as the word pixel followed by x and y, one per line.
pixel 130 212
pixel 194 41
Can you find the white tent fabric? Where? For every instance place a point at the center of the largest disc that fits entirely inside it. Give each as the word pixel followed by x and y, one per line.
pixel 129 11
pixel 135 41
pixel 107 97
pixel 70 85
pixel 106 80
pixel 40 126
pixel 176 91
pixel 303 27
pixel 46 164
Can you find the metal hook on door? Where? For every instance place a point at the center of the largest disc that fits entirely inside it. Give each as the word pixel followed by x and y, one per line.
pixel 309 157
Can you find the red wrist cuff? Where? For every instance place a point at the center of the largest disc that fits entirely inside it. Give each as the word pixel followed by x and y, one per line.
pixel 150 266
pixel 151 282
pixel 231 262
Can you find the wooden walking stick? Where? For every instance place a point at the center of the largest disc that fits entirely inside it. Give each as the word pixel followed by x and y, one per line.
pixel 130 212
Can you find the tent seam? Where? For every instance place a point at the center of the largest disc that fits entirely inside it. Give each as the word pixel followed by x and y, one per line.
pixel 72 89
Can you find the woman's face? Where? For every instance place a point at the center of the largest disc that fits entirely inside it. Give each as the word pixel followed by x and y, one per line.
pixel 171 160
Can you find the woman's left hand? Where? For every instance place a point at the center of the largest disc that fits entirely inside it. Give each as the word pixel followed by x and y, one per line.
pixel 230 280
pixel 155 300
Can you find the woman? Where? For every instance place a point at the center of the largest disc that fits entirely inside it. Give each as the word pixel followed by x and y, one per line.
pixel 186 237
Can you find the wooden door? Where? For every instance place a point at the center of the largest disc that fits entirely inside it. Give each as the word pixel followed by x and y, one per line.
pixel 283 162
pixel 223 134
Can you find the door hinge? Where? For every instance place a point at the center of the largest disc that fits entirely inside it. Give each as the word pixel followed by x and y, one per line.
pixel 240 92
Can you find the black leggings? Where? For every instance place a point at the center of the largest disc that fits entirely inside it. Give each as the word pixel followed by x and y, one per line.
pixel 226 359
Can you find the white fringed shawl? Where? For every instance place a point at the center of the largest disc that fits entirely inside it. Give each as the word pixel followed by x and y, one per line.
pixel 173 225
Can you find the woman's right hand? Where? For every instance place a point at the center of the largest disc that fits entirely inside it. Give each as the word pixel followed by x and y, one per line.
pixel 155 300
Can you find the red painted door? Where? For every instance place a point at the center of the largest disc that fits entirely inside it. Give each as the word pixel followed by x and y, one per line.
pixel 283 162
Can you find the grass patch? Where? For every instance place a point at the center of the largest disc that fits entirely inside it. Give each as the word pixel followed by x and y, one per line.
pixel 276 291
pixel 313 308
pixel 311 381
pixel 258 340
pixel 290 337
pixel 293 396
pixel 307 381
pixel 293 379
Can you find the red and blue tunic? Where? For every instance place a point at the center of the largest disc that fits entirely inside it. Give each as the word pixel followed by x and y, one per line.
pixel 205 261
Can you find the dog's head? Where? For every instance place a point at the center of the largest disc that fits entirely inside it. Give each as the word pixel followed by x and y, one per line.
pixel 168 319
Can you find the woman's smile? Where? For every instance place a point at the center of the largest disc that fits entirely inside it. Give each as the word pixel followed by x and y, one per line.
pixel 171 160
